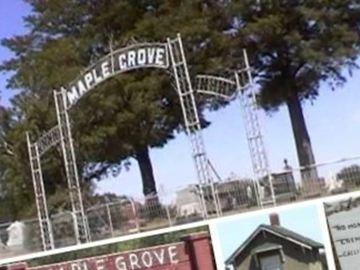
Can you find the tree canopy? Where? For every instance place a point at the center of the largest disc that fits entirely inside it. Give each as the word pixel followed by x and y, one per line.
pixel 294 46
pixel 128 114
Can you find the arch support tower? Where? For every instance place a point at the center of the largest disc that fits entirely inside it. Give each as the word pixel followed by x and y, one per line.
pixel 209 197
pixel 80 223
pixel 46 233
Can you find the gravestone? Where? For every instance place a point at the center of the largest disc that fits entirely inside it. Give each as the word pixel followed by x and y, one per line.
pixel 16 236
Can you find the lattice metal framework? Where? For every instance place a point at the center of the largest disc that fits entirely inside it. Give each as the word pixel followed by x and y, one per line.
pixel 242 86
pixel 192 123
pixel 80 224
pixel 48 140
pixel 254 135
pixel 62 134
pixel 256 146
pixel 40 197
pixel 216 86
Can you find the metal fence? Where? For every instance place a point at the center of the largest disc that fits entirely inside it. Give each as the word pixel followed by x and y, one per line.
pixel 127 216
pixel 234 195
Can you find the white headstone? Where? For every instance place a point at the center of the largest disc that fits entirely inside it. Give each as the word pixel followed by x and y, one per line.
pixel 249 192
pixel 262 192
pixel 345 230
pixel 16 234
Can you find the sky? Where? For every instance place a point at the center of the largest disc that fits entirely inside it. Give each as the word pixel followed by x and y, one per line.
pixel 231 237
pixel 333 121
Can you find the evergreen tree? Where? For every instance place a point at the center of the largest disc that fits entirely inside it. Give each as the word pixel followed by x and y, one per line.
pixel 127 114
pixel 13 189
pixel 294 46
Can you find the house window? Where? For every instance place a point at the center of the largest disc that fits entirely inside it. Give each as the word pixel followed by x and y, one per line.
pixel 272 262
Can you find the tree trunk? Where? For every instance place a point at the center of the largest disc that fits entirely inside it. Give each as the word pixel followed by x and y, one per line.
pixel 303 143
pixel 146 170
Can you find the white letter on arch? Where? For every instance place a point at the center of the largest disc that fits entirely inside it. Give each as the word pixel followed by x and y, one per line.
pixel 72 95
pixel 141 57
pixel 160 57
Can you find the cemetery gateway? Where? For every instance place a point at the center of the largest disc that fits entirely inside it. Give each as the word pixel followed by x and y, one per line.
pixel 169 56
pixel 140 55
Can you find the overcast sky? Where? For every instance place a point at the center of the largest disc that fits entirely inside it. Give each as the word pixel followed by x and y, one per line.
pixel 333 122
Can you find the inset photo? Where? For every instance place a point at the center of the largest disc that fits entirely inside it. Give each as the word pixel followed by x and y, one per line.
pixel 343 219
pixel 189 249
pixel 281 240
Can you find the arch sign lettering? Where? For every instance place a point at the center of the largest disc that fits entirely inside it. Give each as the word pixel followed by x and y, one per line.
pixel 144 55
pixel 167 56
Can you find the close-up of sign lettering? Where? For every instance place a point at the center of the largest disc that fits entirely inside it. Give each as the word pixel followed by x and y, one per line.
pixel 345 230
pixel 133 57
pixel 158 258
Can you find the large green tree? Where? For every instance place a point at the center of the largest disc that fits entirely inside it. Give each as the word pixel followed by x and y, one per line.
pixel 147 110
pixel 128 114
pixel 294 46
pixel 14 193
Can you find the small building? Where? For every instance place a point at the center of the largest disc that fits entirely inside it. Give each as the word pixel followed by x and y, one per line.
pixel 236 193
pixel 188 201
pixel 284 182
pixel 284 185
pixel 232 193
pixel 273 247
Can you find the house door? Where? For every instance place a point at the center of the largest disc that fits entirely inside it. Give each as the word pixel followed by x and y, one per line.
pixel 271 263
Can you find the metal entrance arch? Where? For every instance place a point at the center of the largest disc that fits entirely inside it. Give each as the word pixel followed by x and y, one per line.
pixel 241 86
pixel 171 56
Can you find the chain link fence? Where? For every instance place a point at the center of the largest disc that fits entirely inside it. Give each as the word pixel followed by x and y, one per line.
pixel 234 195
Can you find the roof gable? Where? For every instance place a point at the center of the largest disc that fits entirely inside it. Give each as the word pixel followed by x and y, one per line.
pixel 293 236
pixel 279 232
